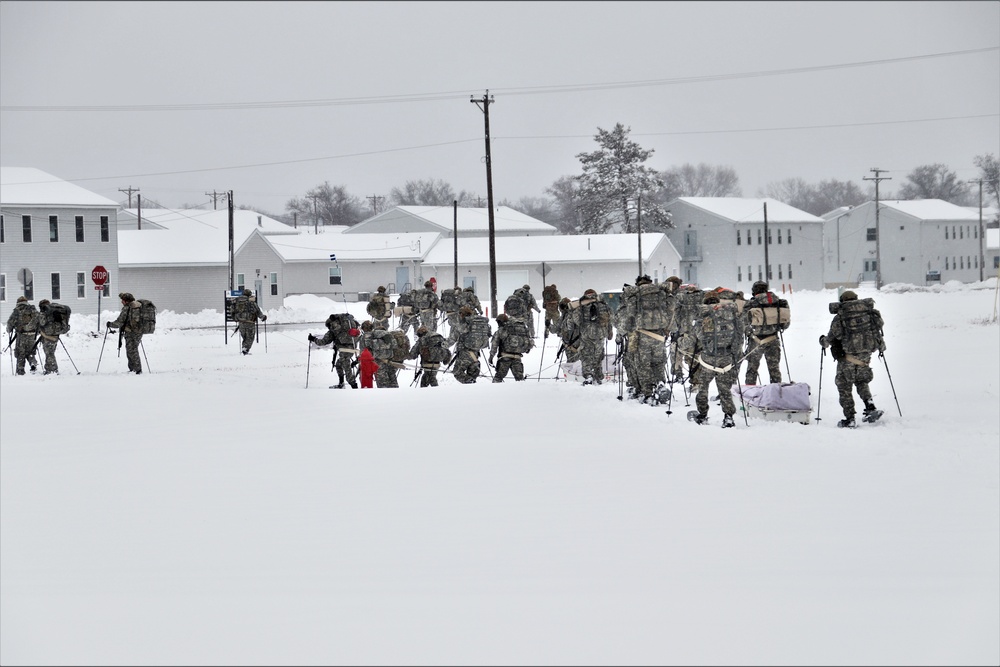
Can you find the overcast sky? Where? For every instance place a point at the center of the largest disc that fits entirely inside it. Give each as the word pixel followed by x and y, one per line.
pixel 271 99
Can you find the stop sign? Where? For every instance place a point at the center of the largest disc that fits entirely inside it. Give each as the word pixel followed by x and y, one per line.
pixel 99 275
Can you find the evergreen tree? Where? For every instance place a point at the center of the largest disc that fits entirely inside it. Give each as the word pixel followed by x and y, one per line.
pixel 614 182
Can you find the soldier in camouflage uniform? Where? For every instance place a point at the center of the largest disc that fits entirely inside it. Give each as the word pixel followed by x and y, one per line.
pixel 510 358
pixel 422 348
pixel 566 329
pixel 716 355
pixel 470 299
pixel 625 331
pixel 853 352
pixel 763 340
pixel 550 303
pixel 130 322
pixel 409 316
pixel 379 307
pixel 689 300
pixel 530 306
pixel 343 332
pixel 427 302
pixel 247 313
pixel 466 360
pixel 21 322
pixel 651 321
pixel 451 301
pixel 49 329
pixel 593 321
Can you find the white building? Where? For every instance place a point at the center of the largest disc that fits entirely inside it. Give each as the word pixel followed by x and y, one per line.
pixel 918 241
pixel 443 220
pixel 721 241
pixel 59 233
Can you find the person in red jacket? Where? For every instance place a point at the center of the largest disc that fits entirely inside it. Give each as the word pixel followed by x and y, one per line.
pixel 368 369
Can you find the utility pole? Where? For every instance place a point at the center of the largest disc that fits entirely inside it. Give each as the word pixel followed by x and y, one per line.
pixel 315 198
pixel 878 232
pixel 232 259
pixel 767 242
pixel 638 229
pixel 455 235
pixel 215 197
pixel 982 257
pixel 375 200
pixel 138 218
pixel 485 108
pixel 129 190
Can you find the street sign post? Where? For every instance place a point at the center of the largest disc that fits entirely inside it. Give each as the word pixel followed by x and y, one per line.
pixel 100 276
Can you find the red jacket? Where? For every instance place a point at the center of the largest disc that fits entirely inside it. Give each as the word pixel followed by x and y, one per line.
pixel 368 368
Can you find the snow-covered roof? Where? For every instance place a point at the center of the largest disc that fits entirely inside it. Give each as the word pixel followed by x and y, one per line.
pixel 931 209
pixel 190 236
pixel 597 248
pixel 27 186
pixel 352 247
pixel 744 209
pixel 505 219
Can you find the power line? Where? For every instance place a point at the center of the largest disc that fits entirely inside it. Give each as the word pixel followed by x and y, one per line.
pixel 523 90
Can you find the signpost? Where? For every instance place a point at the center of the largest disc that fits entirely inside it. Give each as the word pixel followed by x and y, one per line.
pixel 100 276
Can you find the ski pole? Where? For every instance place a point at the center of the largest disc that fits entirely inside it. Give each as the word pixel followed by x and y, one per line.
pixel 621 376
pixel 308 358
pixel 819 396
pixel 10 342
pixel 784 353
pixel 68 355
pixel 743 405
pixel 148 369
pixel 265 336
pixel 545 337
pixel 11 337
pixel 106 332
pixel 886 364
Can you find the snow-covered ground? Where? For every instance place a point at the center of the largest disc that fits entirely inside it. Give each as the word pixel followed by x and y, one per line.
pixel 214 510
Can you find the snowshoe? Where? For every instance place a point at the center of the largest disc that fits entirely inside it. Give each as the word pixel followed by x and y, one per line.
pixel 846 423
pixel 697 417
pixel 872 415
pixel 727 422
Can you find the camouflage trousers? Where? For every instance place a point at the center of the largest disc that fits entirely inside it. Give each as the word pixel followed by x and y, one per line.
pixel 571 352
pixel 248 333
pixel 682 353
pixel 429 319
pixel 23 351
pixel 386 374
pixel 850 376
pixel 429 375
pixel 592 358
pixel 650 363
pixel 407 321
pixel 132 342
pixel 626 352
pixel 49 348
pixel 343 358
pixel 724 381
pixel 452 328
pixel 771 351
pixel 383 321
pixel 466 368
pixel 509 362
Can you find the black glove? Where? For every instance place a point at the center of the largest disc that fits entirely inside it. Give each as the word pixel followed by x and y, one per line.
pixel 491 359
pixel 263 318
pixel 312 338
pixel 822 341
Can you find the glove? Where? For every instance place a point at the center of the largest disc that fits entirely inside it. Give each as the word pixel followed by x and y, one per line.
pixel 881 346
pixel 264 318
pixel 312 338
pixel 548 323
pixel 491 359
pixel 618 339
pixel 110 328
pixel 822 341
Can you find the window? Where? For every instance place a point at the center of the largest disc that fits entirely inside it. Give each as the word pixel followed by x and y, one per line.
pixel 3 286
pixel 54 229
pixel 961 235
pixel 739 239
pixel 55 286
pixel 749 240
pixel 779 237
pixel 946 266
pixel 779 269
pixel 996 261
pixel 739 272
pixel 335 275
pixel 759 238
pixel 105 230
pixel 976 260
pixel 79 229
pixel 946 233
pixel 760 273
pixel 26 228
pixel 749 273
pixel 902 259
pixel 961 261
pixel 789 271
pixel 274 284
pixel 81 285
pixel 29 290
pixel 769 237
pixel 2 239
pixel 241 282
pixel 107 289
pixel 902 228
pixel 768 272
pixel 789 237
pixel 872 236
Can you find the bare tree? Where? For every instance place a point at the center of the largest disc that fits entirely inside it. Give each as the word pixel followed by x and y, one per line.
pixel 816 199
pixel 614 181
pixel 539 208
pixel 430 192
pixel 702 180
pixel 935 181
pixel 566 194
pixel 329 204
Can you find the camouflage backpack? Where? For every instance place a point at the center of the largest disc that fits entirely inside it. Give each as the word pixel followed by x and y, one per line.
pixel 341 324
pixel 401 345
pixel 241 309
pixel 518 341
pixel 770 317
pixel 719 332
pixel 383 345
pixel 514 306
pixel 147 316
pixel 449 300
pixel 378 306
pixel 862 325
pixel 652 308
pixel 434 349
pixel 59 314
pixel 478 335
pixel 25 314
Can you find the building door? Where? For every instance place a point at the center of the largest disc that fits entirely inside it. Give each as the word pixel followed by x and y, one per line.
pixel 869 274
pixel 403 279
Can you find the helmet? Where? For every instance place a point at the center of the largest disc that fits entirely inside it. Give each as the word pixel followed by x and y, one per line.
pixel 674 279
pixel 464 311
pixel 590 291
pixel 366 325
pixel 469 289
pixel 421 331
pixel 381 288
pixel 502 318
pixel 848 296
pixel 125 296
pixel 759 287
pixel 643 280
pixel 526 287
pixel 711 297
pixel 428 284
pixel 22 299
pixel 247 292
pixel 44 303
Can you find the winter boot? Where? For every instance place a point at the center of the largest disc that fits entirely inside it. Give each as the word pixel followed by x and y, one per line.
pixel 697 417
pixel 871 414
pixel 847 422
pixel 727 422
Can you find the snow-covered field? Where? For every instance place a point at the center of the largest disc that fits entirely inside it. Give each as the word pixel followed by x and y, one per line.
pixel 214 510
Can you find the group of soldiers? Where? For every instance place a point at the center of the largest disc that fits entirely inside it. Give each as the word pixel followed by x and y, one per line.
pixel 28 327
pixel 665 333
